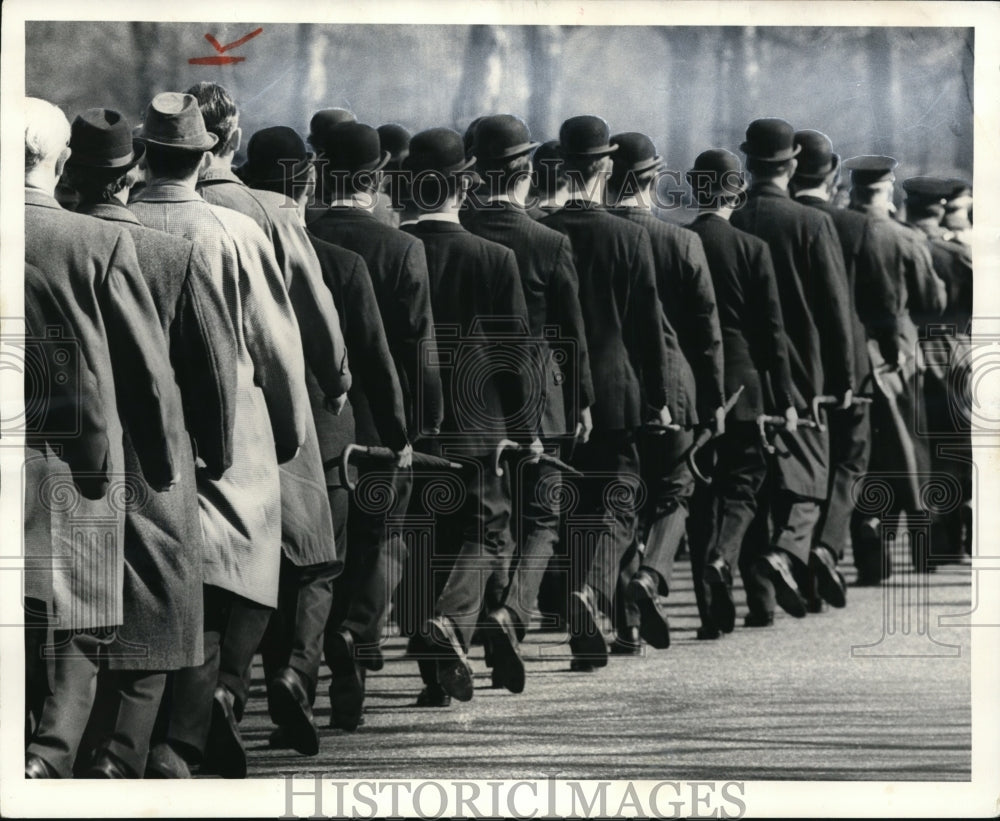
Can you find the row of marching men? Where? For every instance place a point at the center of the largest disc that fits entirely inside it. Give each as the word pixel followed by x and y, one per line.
pixel 285 383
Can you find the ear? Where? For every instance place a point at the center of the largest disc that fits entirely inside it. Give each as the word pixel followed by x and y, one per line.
pixel 61 161
pixel 206 161
pixel 234 142
pixel 792 165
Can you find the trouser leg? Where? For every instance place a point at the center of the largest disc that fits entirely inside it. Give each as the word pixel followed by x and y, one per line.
pixel 850 434
pixel 740 476
pixel 36 674
pixel 138 696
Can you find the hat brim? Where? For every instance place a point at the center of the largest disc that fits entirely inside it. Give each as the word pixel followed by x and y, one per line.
pixel 121 164
pixel 821 174
pixel 246 174
pixel 645 165
pixel 781 156
pixel 599 151
pixel 693 173
pixel 206 144
pixel 513 151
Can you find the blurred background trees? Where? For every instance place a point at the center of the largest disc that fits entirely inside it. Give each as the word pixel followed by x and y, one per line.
pixel 901 91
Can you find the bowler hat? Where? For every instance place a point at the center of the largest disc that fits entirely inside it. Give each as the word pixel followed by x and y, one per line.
pixel 816 157
pixel 353 147
pixel 173 120
pixel 275 154
pixel 714 167
pixel 102 138
pixel 770 139
pixel 585 136
pixel 636 153
pixel 324 120
pixel 870 169
pixel 501 137
pixel 395 139
pixel 439 150
pixel 547 162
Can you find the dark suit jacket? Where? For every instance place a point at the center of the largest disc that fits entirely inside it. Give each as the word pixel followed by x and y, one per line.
pixel 478 306
pixel 684 285
pixel 375 394
pixel 551 292
pixel 398 271
pixel 163 541
pixel 753 332
pixel 621 313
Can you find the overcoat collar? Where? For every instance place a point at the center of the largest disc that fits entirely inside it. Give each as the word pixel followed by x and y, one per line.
pixel 167 191
pixel 439 227
pixel 110 211
pixel 218 175
pixel 767 189
pixel 35 196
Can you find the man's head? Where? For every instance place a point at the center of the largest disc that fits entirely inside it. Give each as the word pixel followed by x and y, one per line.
pixel 872 180
pixel 634 166
pixel 717 180
pixel 926 198
pixel 502 147
pixel 104 154
pixel 221 116
pixel 770 150
pixel 958 207
pixel 818 166
pixel 549 176
pixel 323 121
pixel 277 161
pixel 440 174
pixel 353 161
pixel 177 142
pixel 46 143
pixel 586 149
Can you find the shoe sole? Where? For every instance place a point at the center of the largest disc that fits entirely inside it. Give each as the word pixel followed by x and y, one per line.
pixel 788 598
pixel 347 689
pixel 653 627
pixel 288 713
pixel 508 666
pixel 585 638
pixel 453 674
pixel 226 745
pixel 829 583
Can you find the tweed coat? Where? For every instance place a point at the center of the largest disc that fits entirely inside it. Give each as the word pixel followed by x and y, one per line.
pixel 551 292
pixel 163 541
pixel 398 270
pixel 812 286
pixel 684 285
pixel 307 531
pixel 241 511
pixel 621 314
pixel 93 275
pixel 753 332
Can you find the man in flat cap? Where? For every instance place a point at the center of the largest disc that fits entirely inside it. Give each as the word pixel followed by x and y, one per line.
pixel 694 342
pixel 163 540
pixel 898 449
pixel 90 270
pixel 502 147
pixel 756 360
pixel 477 297
pixel 872 305
pixel 628 359
pixel 398 270
pixel 812 285
pixel 241 511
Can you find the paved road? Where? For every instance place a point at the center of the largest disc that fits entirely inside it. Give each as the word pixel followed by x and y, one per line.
pixel 789 702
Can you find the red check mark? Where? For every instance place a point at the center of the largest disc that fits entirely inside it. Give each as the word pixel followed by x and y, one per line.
pixel 222 49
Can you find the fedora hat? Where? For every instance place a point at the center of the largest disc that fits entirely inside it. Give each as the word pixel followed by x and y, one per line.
pixel 585 136
pixel 102 138
pixel 770 139
pixel 636 153
pixel 275 154
pixel 501 137
pixel 870 169
pixel 816 157
pixel 173 120
pixel 353 146
pixel 439 150
pixel 711 168
pixel 324 120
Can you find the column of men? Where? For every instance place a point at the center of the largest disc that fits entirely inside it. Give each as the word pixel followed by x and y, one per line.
pixel 533 353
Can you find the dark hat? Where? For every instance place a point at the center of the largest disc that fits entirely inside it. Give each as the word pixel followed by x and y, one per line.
pixel 960 194
pixel 438 149
pixel 354 147
pixel 275 154
pixel 102 138
pixel 470 135
pixel 395 139
pixel 174 120
pixel 636 153
pixel 770 139
pixel 585 136
pixel 501 137
pixel 711 168
pixel 816 157
pixel 547 162
pixel 927 191
pixel 870 169
pixel 325 119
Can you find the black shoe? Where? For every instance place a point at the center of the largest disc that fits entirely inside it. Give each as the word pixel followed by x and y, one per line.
pixel 165 762
pixel 815 605
pixel 582 666
pixel 719 579
pixel 433 696
pixel 708 633
pixel 585 638
pixel 37 767
pixel 829 583
pixel 370 657
pixel 107 765
pixel 288 703
pixel 627 642
pixel 453 673
pixel 347 686
pixel 224 752
pixel 775 566
pixel 508 666
pixel 758 619
pixel 654 627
